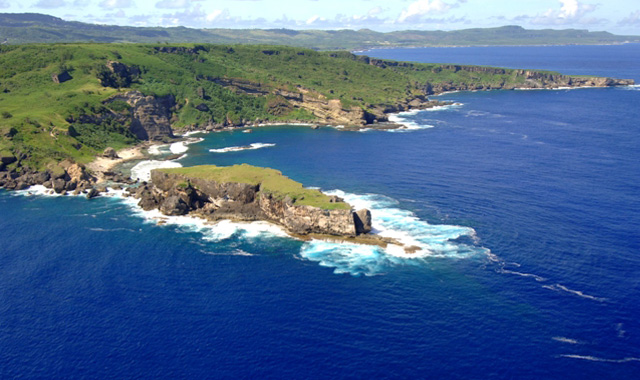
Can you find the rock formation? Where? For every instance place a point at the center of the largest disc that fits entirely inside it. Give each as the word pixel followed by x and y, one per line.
pixel 150 115
pixel 179 194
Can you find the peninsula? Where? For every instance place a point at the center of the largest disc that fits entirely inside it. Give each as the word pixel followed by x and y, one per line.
pixel 63 105
pixel 248 193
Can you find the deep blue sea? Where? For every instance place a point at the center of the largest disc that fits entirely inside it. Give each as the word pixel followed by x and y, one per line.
pixel 527 202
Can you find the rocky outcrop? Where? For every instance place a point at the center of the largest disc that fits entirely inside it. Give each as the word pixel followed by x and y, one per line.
pixel 328 111
pixel 525 79
pixel 362 219
pixel 109 152
pixel 150 115
pixel 116 74
pixel 177 194
pixel 179 49
pixel 65 177
pixel 305 220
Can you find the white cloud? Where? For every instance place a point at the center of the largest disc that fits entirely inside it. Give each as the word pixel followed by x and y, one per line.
pixel 314 19
pixel 632 19
pixel 569 8
pixel 420 8
pixel 212 16
pixel 4 4
pixel 116 4
pixel 50 4
pixel 374 11
pixel 571 12
pixel 174 4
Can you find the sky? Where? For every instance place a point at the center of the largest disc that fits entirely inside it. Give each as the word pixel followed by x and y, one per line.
pixel 616 16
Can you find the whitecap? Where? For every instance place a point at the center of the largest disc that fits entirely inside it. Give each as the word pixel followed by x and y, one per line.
pixel 182 146
pixel 142 170
pixel 558 288
pixel 241 148
pixel 157 150
pixel 597 359
pixel 562 339
pixel 632 87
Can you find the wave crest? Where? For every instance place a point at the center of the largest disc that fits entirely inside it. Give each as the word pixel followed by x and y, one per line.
pixel 243 147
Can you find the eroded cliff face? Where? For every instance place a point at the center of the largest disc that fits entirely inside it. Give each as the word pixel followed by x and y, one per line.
pixel 306 219
pixel 328 111
pixel 150 115
pixel 176 194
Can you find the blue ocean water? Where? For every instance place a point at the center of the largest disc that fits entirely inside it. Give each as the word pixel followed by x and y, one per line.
pixel 528 202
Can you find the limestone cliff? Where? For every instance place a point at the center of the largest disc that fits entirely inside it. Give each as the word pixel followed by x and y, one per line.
pixel 334 112
pixel 150 115
pixel 179 194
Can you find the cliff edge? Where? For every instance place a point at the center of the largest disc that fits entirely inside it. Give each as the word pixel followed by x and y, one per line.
pixel 249 193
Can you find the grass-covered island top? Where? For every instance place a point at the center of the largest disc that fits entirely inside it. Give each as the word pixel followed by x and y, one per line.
pixel 270 180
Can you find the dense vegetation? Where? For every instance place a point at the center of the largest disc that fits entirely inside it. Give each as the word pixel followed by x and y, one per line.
pixel 43 121
pixel 38 28
pixel 270 180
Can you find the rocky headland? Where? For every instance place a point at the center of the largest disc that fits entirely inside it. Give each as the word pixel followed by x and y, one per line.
pixel 247 193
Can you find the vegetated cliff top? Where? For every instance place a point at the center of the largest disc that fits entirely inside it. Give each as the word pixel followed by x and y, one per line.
pixel 19 28
pixel 270 180
pixel 58 99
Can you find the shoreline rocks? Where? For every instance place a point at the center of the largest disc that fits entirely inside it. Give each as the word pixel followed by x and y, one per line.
pixel 177 194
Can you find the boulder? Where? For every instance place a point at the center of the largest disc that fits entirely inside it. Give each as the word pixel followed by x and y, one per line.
pixel 21 185
pixel 59 185
pixel 71 185
pixel 76 172
pixel 92 193
pixel 362 220
pixel 173 206
pixel 110 153
pixel 10 184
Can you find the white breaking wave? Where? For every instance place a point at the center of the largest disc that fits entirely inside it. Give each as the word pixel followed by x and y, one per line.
pixel 433 241
pixel 596 359
pixel 633 87
pixel 558 287
pixel 562 339
pixel 555 287
pixel 175 148
pixel 157 150
pixel 182 146
pixel 243 147
pixel 408 125
pixel 210 231
pixel 142 170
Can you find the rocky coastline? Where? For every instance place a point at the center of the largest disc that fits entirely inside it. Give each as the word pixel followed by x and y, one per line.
pixel 178 194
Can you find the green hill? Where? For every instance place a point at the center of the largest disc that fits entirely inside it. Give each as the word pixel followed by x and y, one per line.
pixel 20 28
pixel 61 101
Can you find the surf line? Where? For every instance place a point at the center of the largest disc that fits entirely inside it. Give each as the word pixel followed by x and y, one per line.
pixel 502 269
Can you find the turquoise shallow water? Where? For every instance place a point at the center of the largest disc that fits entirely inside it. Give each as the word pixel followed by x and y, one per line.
pixel 527 200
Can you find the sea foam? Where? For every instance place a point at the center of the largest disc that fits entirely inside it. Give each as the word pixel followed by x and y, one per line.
pixel 240 148
pixel 388 220
pixel 409 125
pixel 142 170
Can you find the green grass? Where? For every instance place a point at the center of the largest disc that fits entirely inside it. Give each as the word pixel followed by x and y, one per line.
pixel 43 112
pixel 270 180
